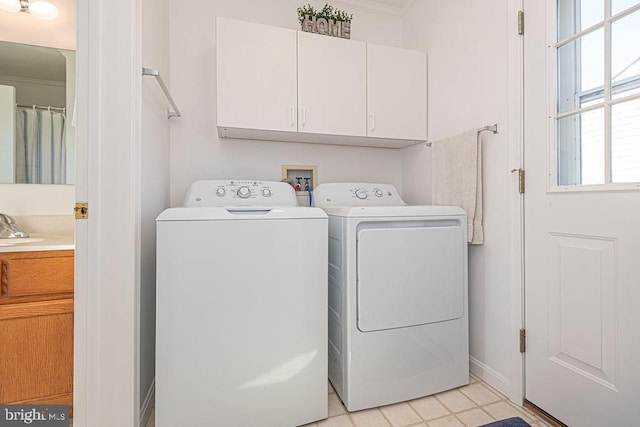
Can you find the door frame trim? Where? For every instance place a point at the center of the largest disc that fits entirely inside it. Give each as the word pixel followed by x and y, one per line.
pixel 516 199
pixel 106 317
pixel 511 380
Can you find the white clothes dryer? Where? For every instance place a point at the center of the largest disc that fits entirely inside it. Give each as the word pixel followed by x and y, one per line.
pixel 241 332
pixel 398 320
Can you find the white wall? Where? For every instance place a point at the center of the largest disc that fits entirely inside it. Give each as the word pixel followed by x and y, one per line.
pixel 155 180
pixel 30 199
pixel 196 150
pixel 468 47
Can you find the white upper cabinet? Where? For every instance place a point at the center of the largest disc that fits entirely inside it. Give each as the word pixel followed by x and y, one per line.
pixel 396 93
pixel 286 85
pixel 331 85
pixel 257 74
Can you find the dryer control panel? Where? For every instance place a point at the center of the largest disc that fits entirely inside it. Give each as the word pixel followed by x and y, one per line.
pixel 225 193
pixel 356 194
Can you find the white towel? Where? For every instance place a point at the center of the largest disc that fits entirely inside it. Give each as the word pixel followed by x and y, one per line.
pixel 457 178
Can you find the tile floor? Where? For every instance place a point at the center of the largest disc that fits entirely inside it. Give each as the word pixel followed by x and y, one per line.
pixel 469 406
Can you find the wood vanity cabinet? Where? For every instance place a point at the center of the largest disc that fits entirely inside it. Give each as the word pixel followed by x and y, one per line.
pixel 36 327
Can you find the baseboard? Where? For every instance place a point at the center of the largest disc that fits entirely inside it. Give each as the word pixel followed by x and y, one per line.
pixel 490 376
pixel 148 404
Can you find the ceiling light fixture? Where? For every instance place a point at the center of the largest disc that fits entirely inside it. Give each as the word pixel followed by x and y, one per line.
pixel 38 8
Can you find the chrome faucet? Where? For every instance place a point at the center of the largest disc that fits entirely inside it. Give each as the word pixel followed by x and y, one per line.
pixel 9 229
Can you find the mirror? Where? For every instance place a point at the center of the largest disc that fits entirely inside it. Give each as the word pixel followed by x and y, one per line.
pixel 37 94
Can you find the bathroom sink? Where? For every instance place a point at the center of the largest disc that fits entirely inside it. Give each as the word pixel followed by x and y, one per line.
pixel 18 241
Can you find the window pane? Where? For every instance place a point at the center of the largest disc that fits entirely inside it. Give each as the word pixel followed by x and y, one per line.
pixel 580 71
pixel 575 15
pixel 625 55
pixel 580 151
pixel 625 142
pixel 620 5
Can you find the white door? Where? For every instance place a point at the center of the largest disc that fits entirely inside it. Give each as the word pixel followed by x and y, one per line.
pixel 332 96
pixel 396 93
pixel 582 206
pixel 256 68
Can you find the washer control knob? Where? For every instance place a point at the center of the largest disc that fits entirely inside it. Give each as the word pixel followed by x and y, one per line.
pixel 266 192
pixel 378 193
pixel 361 194
pixel 244 192
pixel 220 192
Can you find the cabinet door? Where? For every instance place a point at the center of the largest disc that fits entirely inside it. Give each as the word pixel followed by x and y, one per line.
pixel 331 85
pixel 256 70
pixel 36 355
pixel 396 93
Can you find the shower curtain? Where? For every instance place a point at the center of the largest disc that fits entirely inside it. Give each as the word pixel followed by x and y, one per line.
pixel 41 154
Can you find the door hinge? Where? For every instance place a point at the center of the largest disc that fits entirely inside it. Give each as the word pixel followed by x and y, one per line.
pixel 523 341
pixel 520 179
pixel 81 210
pixel 520 22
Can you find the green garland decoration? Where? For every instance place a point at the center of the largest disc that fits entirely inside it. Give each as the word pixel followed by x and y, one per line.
pixel 327 12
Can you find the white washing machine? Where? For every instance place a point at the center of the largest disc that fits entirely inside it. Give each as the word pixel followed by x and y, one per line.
pixel 398 321
pixel 241 323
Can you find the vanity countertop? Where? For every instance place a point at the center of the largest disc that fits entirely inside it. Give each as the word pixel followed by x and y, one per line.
pixel 38 242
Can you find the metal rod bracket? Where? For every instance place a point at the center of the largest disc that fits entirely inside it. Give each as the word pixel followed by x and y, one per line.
pixel 155 73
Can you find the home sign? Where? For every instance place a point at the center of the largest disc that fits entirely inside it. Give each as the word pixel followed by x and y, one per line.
pixel 327 27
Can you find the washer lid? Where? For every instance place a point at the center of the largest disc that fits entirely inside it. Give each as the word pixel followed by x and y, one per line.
pixel 234 213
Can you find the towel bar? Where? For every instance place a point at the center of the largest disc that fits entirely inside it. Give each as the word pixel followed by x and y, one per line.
pixel 493 128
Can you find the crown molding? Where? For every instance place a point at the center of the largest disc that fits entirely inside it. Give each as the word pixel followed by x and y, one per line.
pixel 373 5
pixel 380 7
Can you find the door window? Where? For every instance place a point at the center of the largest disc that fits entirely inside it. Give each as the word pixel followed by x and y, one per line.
pixel 597 108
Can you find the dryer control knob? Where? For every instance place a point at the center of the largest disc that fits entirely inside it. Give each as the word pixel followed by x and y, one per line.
pixel 378 193
pixel 266 192
pixel 221 192
pixel 244 192
pixel 362 194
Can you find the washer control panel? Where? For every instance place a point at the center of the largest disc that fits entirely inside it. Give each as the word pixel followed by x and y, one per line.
pixel 356 194
pixel 227 193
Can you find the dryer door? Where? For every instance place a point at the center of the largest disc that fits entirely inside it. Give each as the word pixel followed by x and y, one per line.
pixel 408 275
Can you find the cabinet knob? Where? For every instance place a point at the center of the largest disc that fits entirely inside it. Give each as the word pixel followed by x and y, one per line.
pixel 372 121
